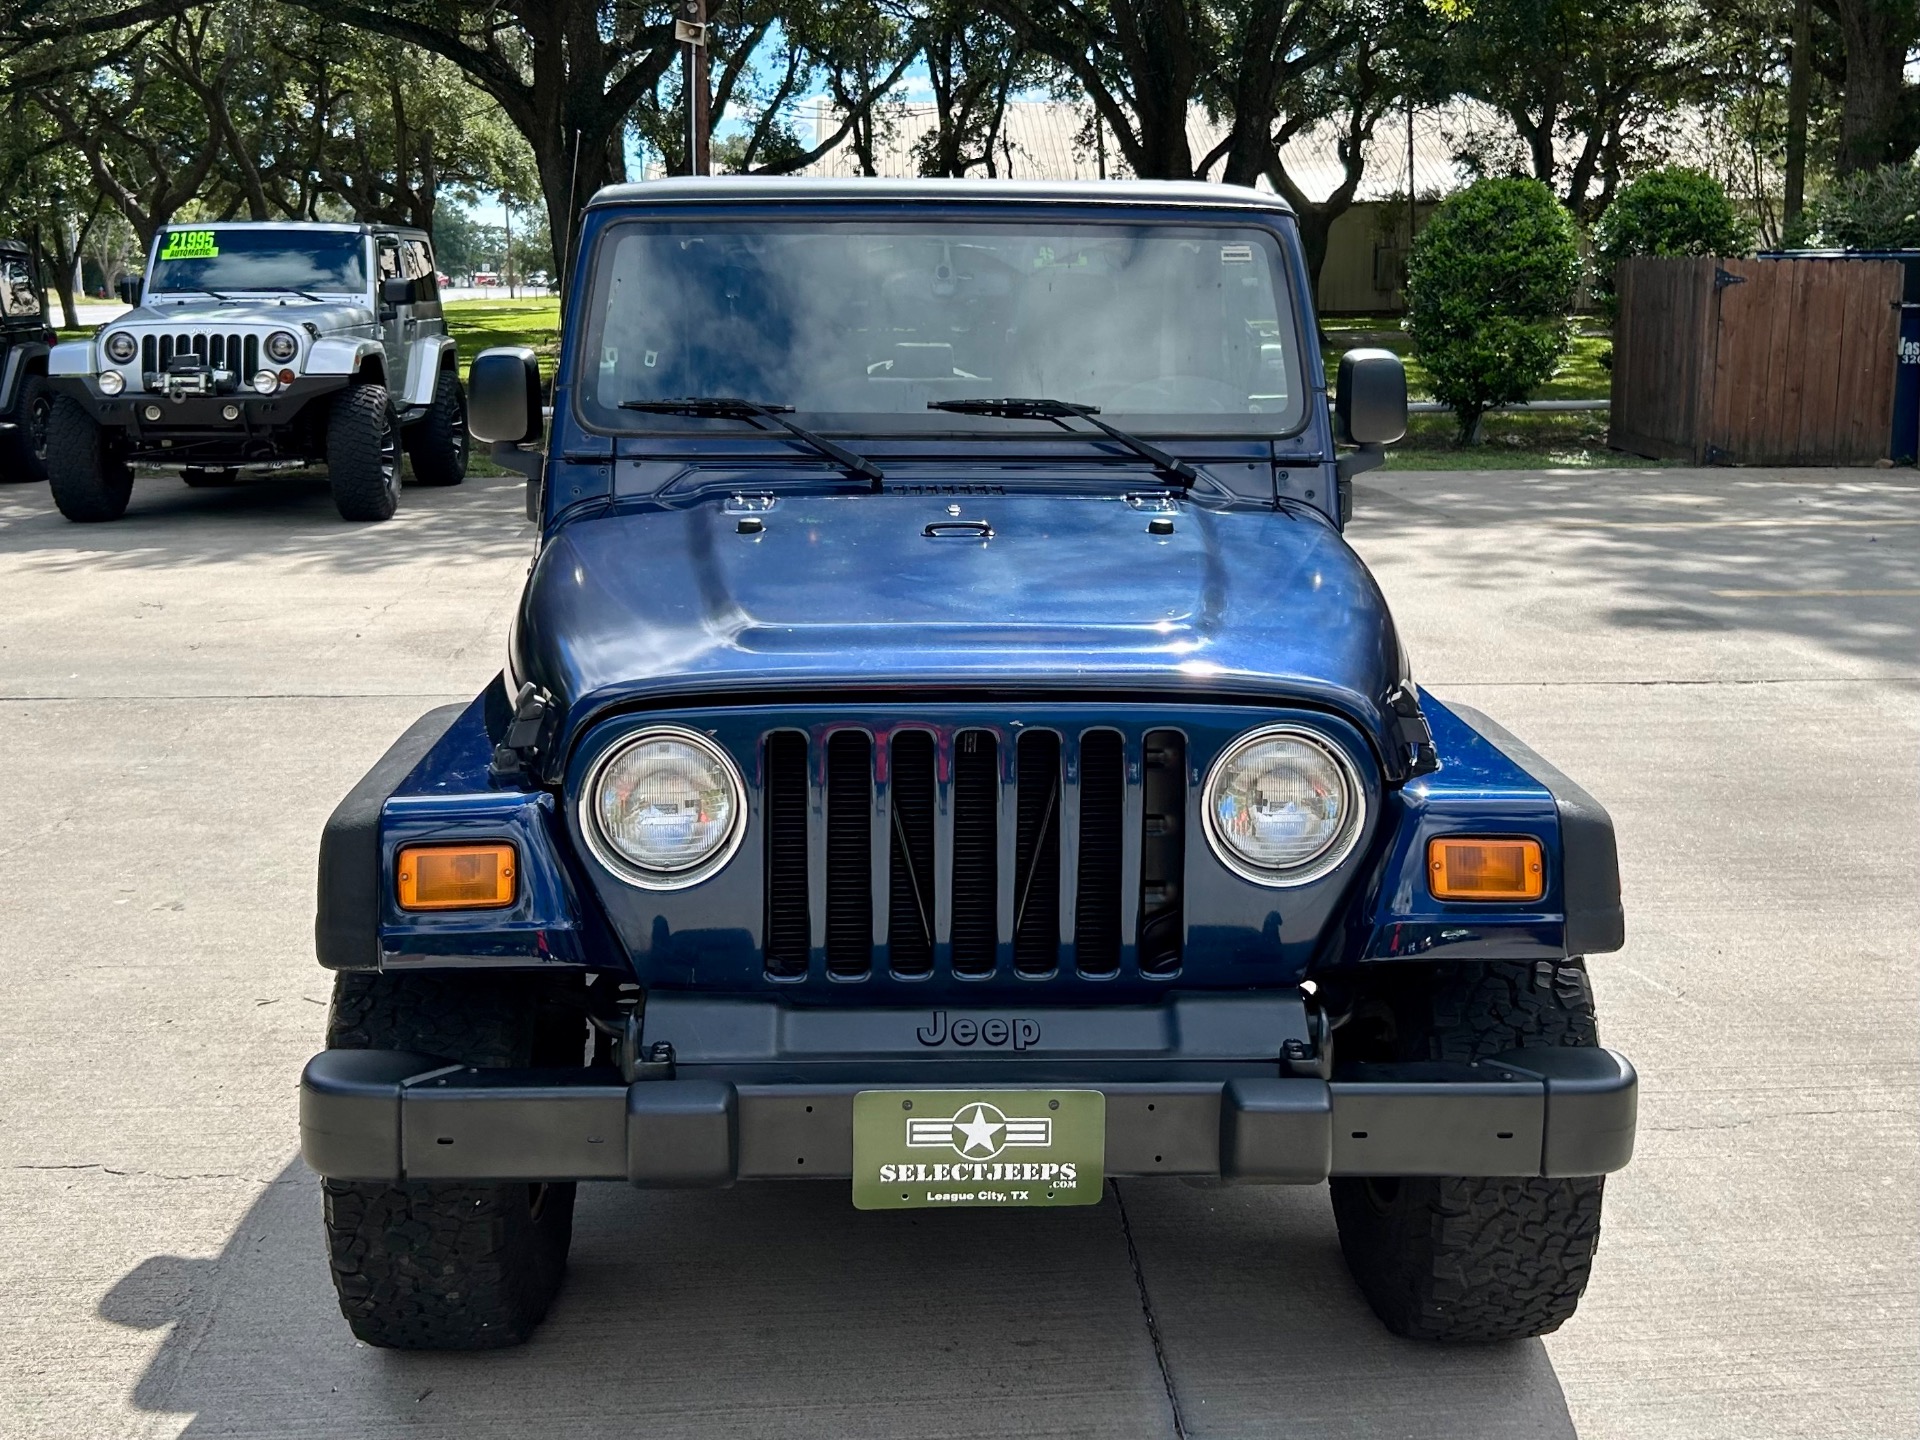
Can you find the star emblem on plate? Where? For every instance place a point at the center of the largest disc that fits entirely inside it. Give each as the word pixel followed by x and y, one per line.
pixel 979 1131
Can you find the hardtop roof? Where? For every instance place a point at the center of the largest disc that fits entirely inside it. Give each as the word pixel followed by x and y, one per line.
pixel 730 189
pixel 356 227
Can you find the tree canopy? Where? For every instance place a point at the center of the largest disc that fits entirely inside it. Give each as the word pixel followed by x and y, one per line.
pixel 122 115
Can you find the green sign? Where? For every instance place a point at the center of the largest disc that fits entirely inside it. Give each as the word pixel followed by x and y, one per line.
pixel 191 245
pixel 932 1149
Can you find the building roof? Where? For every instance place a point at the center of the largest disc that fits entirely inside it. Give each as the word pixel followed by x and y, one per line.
pixel 1056 141
pixel 830 186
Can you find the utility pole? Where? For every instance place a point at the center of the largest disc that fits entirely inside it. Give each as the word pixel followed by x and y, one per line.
pixel 506 262
pixel 691 29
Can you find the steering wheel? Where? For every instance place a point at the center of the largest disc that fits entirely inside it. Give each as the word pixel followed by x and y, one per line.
pixel 1177 394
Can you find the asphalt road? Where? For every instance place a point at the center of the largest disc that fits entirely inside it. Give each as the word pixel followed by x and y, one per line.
pixel 1729 660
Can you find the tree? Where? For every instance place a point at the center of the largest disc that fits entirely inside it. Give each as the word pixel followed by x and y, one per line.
pixel 975 62
pixel 1489 286
pixel 566 73
pixel 1879 109
pixel 1139 62
pixel 1670 211
pixel 1294 67
pixel 1875 209
pixel 1583 82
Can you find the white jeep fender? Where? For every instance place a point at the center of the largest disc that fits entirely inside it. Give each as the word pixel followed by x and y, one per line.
pixel 341 357
pixel 424 358
pixel 73 357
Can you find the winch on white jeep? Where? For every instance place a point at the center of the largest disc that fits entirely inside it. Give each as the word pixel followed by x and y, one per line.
pixel 264 346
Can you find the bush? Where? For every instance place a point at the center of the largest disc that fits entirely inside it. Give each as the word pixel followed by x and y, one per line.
pixel 1672 211
pixel 1489 285
pixel 1874 209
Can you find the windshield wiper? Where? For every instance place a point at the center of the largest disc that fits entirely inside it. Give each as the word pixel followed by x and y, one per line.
pixel 196 290
pixel 723 407
pixel 283 290
pixel 1013 408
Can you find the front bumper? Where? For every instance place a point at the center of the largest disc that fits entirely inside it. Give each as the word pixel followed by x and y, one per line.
pixel 388 1115
pixel 194 427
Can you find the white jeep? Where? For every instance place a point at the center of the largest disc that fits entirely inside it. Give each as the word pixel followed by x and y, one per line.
pixel 264 346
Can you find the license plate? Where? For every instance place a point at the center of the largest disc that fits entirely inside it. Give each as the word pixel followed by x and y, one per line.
pixel 933 1149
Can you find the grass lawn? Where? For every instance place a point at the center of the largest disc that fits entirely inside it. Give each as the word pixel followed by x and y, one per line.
pixel 1581 376
pixel 479 324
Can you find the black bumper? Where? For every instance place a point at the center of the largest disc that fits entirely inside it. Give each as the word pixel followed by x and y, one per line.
pixel 195 427
pixel 387 1115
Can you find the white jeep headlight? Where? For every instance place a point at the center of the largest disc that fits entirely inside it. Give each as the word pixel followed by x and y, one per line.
pixel 266 382
pixel 112 382
pixel 1283 806
pixel 282 345
pixel 664 809
pixel 121 347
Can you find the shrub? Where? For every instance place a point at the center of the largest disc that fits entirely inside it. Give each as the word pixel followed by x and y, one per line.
pixel 1874 209
pixel 1489 285
pixel 1671 211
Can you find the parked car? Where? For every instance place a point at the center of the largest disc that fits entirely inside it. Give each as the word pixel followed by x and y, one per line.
pixel 258 346
pixel 25 340
pixel 946 746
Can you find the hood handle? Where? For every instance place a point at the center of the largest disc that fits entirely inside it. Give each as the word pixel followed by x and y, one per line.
pixel 958 530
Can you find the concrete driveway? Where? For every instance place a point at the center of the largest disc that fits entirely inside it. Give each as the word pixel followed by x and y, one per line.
pixel 1730 660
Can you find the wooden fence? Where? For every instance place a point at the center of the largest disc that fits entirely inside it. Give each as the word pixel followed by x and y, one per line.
pixel 1787 361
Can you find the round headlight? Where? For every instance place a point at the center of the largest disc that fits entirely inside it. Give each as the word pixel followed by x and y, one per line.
pixel 121 347
pixel 1283 807
pixel 266 382
pixel 112 382
pixel 282 346
pixel 665 809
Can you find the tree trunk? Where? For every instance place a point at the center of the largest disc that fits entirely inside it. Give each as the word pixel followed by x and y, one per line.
pixel 1877 111
pixel 1799 86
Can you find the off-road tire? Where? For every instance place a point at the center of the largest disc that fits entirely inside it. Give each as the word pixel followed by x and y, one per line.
pixel 201 479
pixel 1460 1258
pixel 90 479
pixel 23 451
pixel 363 453
pixel 437 442
pixel 450 1266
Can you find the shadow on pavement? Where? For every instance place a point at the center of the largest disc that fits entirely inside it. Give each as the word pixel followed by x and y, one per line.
pixel 290 519
pixel 1828 557
pixel 778 1311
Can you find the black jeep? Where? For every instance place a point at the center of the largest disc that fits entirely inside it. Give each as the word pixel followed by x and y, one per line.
pixel 25 340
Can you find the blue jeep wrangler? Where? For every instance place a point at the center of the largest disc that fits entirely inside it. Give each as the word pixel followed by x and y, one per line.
pixel 947 748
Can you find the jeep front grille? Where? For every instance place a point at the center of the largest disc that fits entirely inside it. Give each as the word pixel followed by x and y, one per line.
pixel 967 852
pixel 237 354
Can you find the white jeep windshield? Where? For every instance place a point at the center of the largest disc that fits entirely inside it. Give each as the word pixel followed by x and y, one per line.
pixel 227 258
pixel 1184 329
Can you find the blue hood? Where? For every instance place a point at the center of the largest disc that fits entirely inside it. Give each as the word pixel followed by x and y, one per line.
pixel 1072 596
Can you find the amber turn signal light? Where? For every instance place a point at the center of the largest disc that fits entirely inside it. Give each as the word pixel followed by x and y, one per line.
pixel 456 877
pixel 1485 869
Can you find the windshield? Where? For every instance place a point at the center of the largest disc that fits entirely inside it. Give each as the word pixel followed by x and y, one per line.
pixel 859 324
pixel 223 259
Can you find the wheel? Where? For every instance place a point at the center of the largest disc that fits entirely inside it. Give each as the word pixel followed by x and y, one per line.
pixel 1462 1258
pixel 457 1265
pixel 437 443
pixel 91 480
pixel 209 479
pixel 363 453
pixel 23 451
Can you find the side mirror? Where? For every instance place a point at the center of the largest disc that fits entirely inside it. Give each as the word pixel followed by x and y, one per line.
pixel 503 396
pixel 1370 399
pixel 396 291
pixel 128 289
